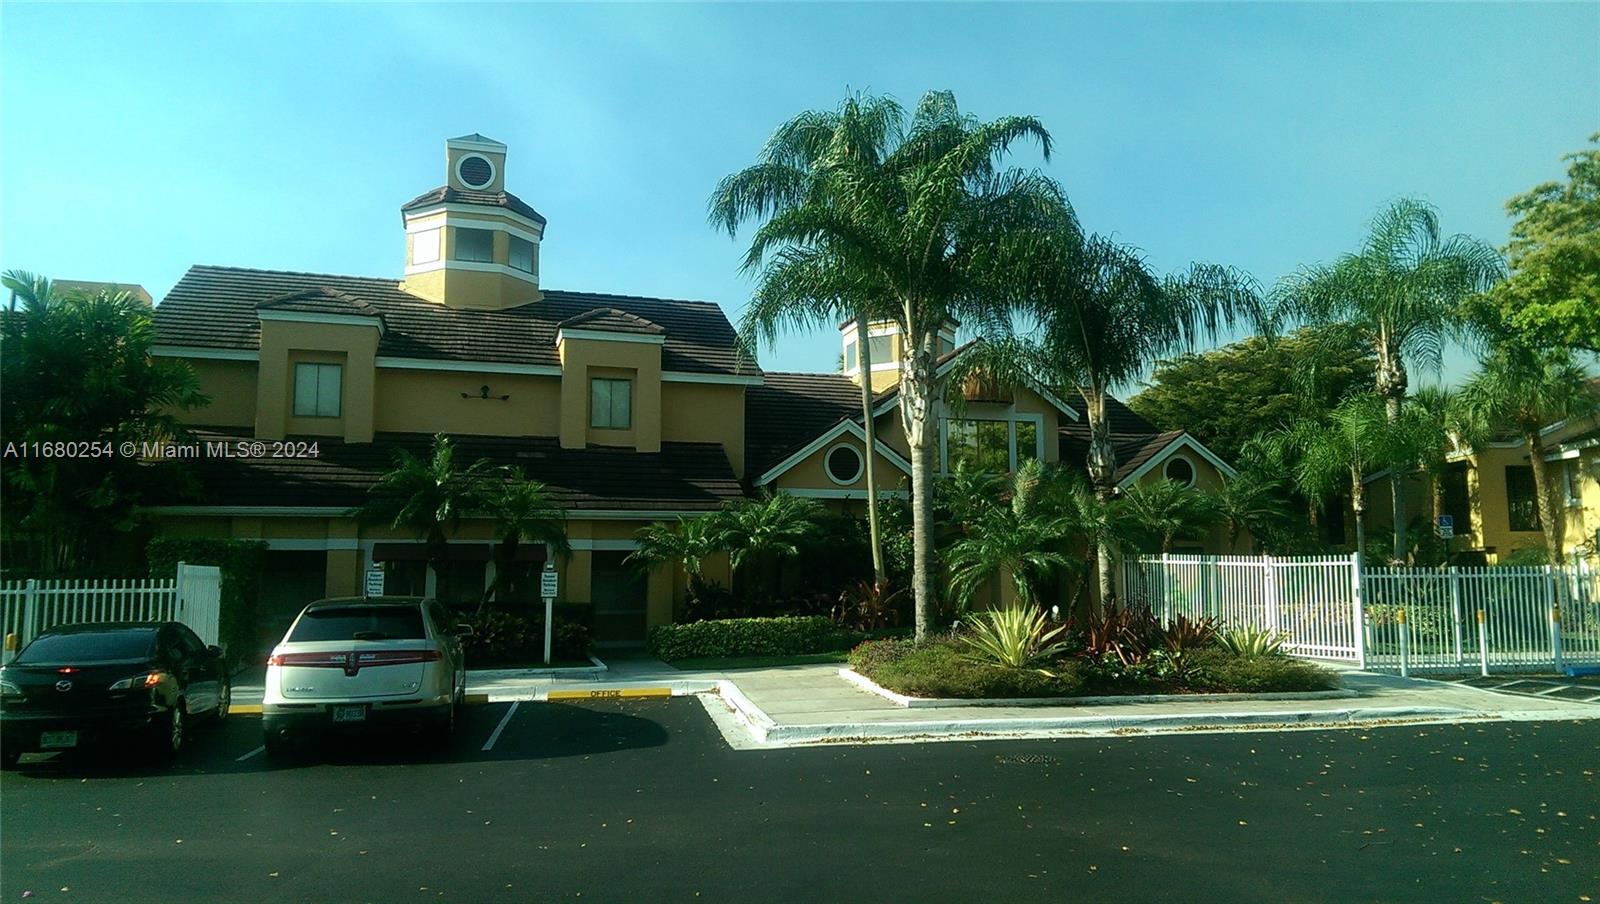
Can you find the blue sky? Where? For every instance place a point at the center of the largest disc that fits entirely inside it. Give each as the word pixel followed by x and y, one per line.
pixel 138 140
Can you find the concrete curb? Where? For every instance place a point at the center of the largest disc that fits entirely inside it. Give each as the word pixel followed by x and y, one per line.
pixel 578 673
pixel 867 684
pixel 598 691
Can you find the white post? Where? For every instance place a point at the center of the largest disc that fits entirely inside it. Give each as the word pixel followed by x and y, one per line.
pixel 1483 645
pixel 548 591
pixel 1455 610
pixel 177 594
pixel 1165 616
pixel 1358 625
pixel 1555 619
pixel 30 610
pixel 1405 643
pixel 1270 576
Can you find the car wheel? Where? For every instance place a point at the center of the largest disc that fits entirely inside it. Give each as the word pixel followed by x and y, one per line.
pixel 168 737
pixel 9 758
pixel 224 700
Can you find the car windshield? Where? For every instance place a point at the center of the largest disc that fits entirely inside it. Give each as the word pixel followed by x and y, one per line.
pixel 112 645
pixel 359 623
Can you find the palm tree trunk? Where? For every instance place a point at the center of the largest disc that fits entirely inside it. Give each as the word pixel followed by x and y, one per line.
pixel 864 363
pixel 1391 378
pixel 1102 475
pixel 1550 518
pixel 439 558
pixel 917 389
pixel 1358 508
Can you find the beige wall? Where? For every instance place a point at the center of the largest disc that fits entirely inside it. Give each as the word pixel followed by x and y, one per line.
pixel 282 344
pixel 232 388
pixel 427 401
pixel 705 412
pixel 582 359
pixel 811 472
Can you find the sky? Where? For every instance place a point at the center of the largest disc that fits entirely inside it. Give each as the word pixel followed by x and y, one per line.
pixel 138 140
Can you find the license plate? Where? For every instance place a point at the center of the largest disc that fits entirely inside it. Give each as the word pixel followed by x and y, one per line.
pixel 55 740
pixel 349 714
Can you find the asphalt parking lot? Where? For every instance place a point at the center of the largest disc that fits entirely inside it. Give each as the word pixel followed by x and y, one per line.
pixel 643 800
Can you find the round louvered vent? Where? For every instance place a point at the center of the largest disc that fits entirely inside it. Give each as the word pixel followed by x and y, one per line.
pixel 475 171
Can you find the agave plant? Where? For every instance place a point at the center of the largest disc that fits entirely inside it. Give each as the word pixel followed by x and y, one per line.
pixel 1251 643
pixel 1015 638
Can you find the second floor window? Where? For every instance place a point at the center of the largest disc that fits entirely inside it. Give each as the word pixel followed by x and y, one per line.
pixel 611 403
pixel 521 255
pixel 1521 500
pixel 316 390
pixel 475 245
pixel 993 446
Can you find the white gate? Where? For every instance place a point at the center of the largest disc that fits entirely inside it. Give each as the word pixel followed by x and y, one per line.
pixel 31 606
pixel 200 599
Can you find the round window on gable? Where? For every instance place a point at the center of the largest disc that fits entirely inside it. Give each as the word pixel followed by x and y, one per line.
pixel 475 171
pixel 843 464
pixel 1180 470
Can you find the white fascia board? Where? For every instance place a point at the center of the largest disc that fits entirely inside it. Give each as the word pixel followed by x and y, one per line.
pixel 1182 442
pixel 1031 383
pixel 631 515
pixel 828 436
pixel 476 210
pixel 805 493
pixel 606 336
pixel 311 317
pixel 475 266
pixel 417 224
pixel 1563 454
pixel 287 511
pixel 196 351
pixel 681 376
pixel 469 144
pixel 484 367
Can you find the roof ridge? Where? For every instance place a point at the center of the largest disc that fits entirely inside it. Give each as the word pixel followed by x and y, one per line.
pixel 193 267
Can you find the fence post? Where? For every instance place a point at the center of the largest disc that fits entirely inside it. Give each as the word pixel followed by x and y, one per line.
pixel 1483 645
pixel 1166 591
pixel 177 593
pixel 1358 625
pixel 1553 606
pixel 1405 642
pixel 1270 576
pixel 30 611
pixel 1455 609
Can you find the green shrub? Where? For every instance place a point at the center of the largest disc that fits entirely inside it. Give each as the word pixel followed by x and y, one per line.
pixel 940 668
pixel 1015 638
pixel 783 636
pixel 1218 670
pixel 241 562
pixel 507 638
pixel 1249 642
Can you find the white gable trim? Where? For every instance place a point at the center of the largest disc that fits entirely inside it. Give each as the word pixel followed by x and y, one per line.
pixel 806 493
pixel 195 351
pixel 1031 383
pixel 827 437
pixel 563 335
pixel 312 317
pixel 1182 442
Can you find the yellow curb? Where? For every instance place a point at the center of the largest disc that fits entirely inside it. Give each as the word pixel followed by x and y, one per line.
pixel 475 698
pixel 245 708
pixel 610 693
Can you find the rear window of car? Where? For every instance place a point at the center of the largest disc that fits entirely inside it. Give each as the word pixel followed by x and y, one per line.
pixel 359 623
pixel 89 646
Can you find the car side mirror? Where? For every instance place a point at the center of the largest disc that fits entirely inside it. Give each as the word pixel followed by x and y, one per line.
pixel 464 631
pixel 215 651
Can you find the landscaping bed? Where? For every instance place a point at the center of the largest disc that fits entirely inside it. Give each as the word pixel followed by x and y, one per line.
pixel 757 641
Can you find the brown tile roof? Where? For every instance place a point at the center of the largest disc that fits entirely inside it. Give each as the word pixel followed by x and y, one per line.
pixel 611 320
pixel 681 477
pixel 1131 450
pixel 444 194
pixel 215 307
pixel 791 410
pixel 320 301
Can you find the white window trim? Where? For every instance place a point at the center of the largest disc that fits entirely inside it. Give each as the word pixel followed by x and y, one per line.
pixel 1011 417
pixel 494 171
pixel 1183 442
pixel 608 336
pixel 533 256
pixel 472 213
pixel 1194 471
pixel 885 451
pixel 478 266
pixel 861 464
pixel 596 381
pixel 460 228
pixel 294 405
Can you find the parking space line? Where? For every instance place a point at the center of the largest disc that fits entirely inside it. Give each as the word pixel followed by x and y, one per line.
pixel 252 753
pixel 504 720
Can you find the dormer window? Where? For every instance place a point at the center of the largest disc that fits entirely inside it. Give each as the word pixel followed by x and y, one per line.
pixel 475 245
pixel 316 390
pixel 521 254
pixel 475 171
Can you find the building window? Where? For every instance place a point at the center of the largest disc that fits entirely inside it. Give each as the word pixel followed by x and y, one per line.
pixel 1521 500
pixel 844 464
pixel 316 390
pixel 1572 482
pixel 1457 498
pixel 1027 441
pixel 945 346
pixel 611 403
pixel 521 255
pixel 995 446
pixel 878 348
pixel 474 245
pixel 425 246
pixel 1179 470
pixel 850 364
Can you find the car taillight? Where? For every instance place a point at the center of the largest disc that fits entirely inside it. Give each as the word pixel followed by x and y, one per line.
pixel 311 660
pixel 149 679
pixel 361 660
pixel 397 657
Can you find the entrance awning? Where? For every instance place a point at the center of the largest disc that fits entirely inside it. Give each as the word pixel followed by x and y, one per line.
pixel 457 552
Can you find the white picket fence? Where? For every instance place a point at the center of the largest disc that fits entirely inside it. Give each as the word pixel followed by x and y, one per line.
pixel 193 596
pixel 1392 619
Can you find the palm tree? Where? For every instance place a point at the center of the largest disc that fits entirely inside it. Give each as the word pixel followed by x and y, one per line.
pixel 1100 317
pixel 429 499
pixel 686 542
pixel 1338 452
pixel 1249 501
pixel 1022 533
pixel 1401 290
pixel 1167 510
pixel 927 234
pixel 1523 390
pixel 523 512
pixel 797 167
pixel 768 528
pixel 1434 412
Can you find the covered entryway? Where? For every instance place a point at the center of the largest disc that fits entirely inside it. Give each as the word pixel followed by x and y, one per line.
pixel 289 580
pixel 620 592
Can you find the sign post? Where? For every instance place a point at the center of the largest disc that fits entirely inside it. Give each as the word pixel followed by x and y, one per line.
pixel 374 584
pixel 548 584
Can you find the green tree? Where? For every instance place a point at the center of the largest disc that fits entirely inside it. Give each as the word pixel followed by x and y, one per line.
pixel 1226 397
pixel 928 234
pixel 429 498
pixel 1552 297
pixel 1401 291
pixel 1021 533
pixel 766 529
pixel 1521 390
pixel 77 368
pixel 523 512
pixel 1165 510
pixel 686 542
pixel 1250 501
pixel 1434 413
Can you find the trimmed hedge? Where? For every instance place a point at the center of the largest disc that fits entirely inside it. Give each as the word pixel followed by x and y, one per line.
pixel 939 668
pixel 1217 670
pixel 241 562
pixel 784 636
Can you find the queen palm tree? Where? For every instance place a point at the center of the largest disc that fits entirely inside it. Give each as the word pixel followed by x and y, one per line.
pixel 523 512
pixel 1522 390
pixel 1099 317
pixel 1434 412
pixel 1251 501
pixel 928 233
pixel 768 528
pixel 428 498
pixel 686 542
pixel 1022 533
pixel 1401 290
pixel 1167 510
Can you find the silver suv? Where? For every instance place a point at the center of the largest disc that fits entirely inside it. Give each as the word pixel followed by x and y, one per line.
pixel 351 664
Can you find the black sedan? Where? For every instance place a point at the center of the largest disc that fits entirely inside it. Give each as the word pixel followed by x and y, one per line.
pixel 75 686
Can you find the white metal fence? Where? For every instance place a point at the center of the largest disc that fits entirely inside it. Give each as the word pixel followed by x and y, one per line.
pixel 192 596
pixel 1394 619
